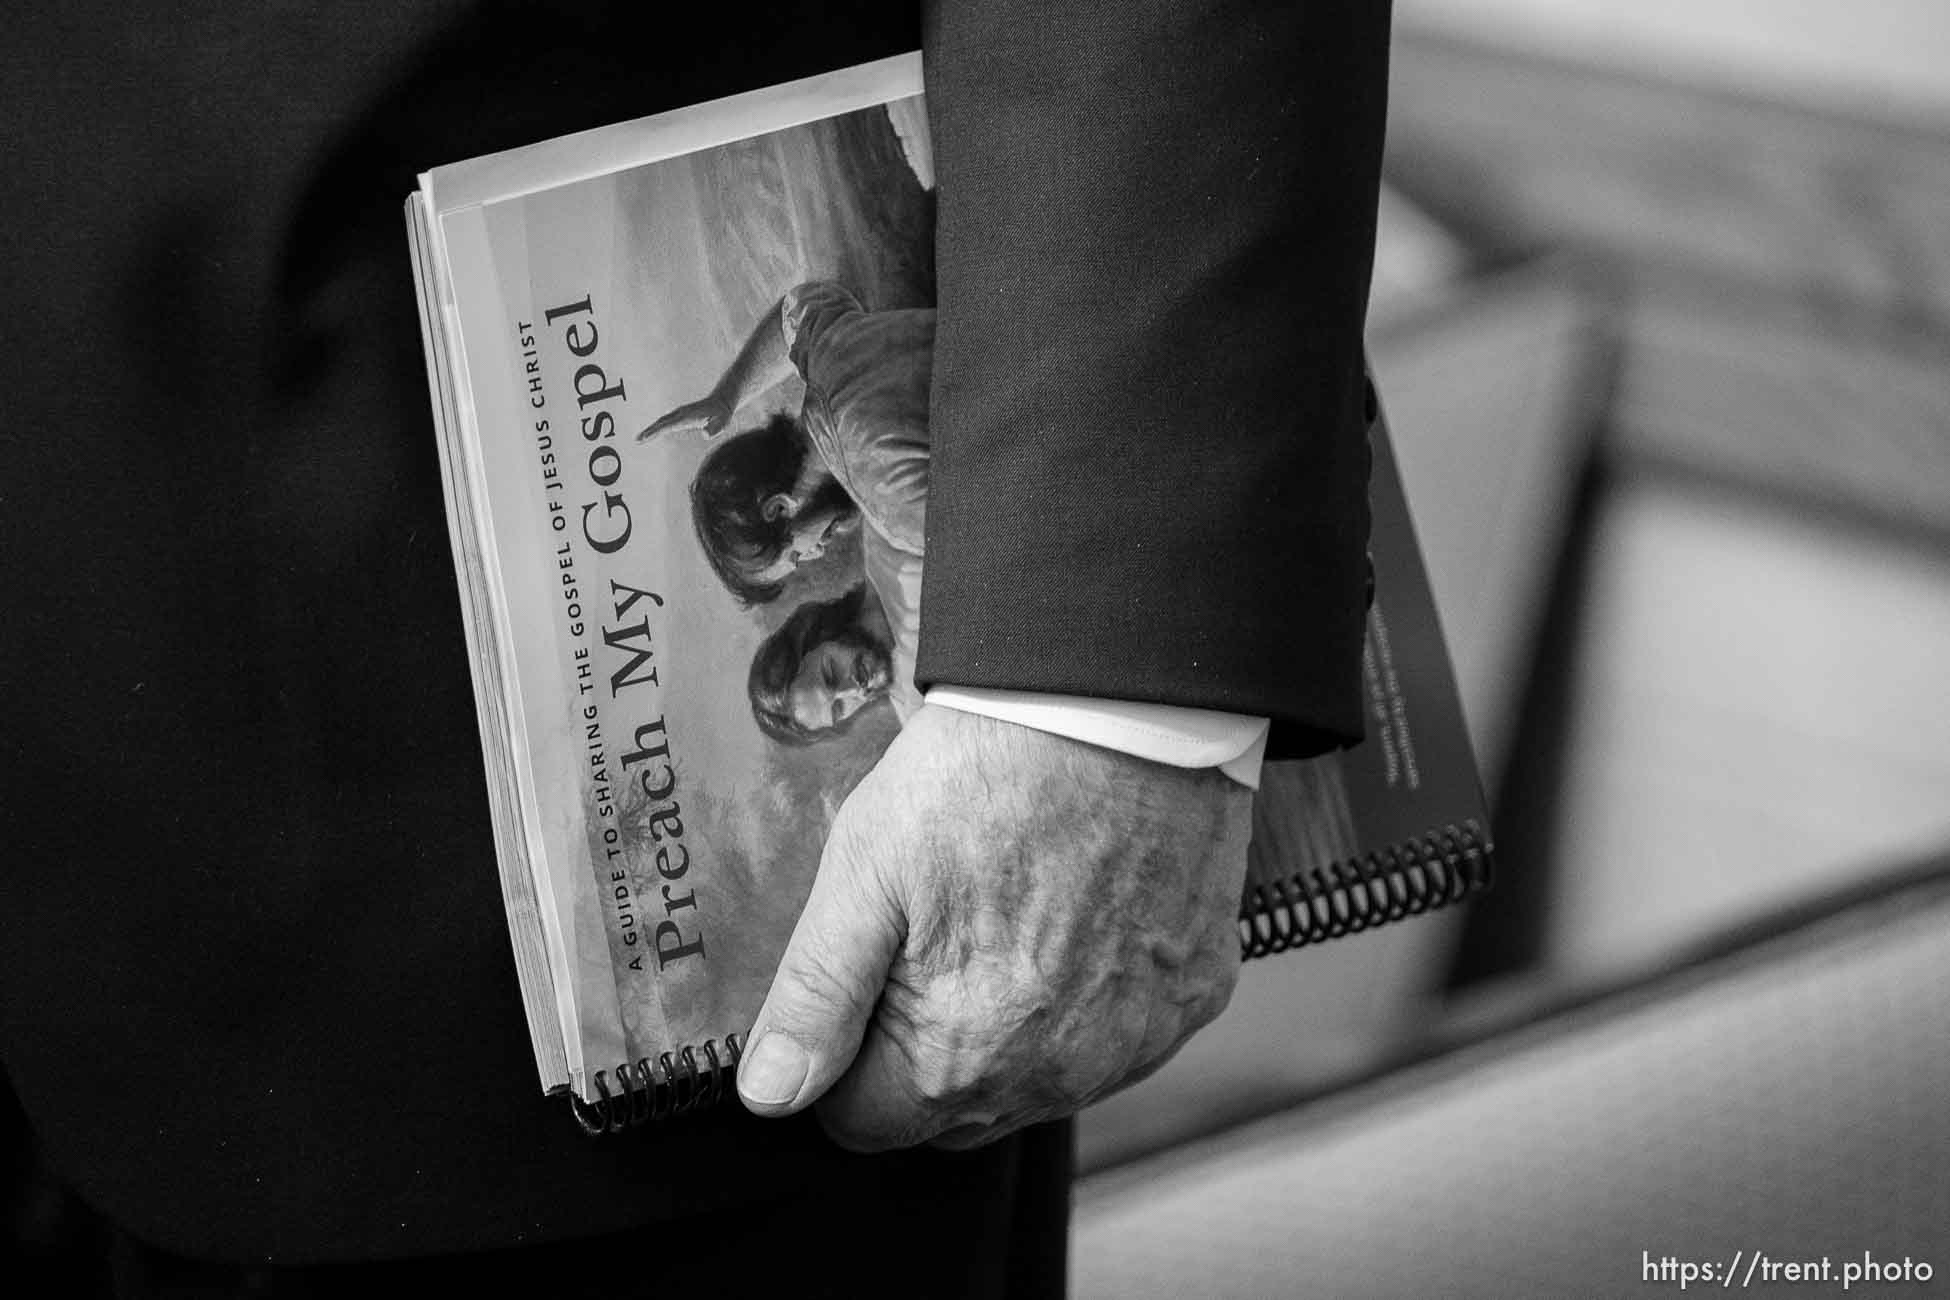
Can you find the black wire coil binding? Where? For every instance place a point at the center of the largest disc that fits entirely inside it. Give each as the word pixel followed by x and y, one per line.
pixel 1402 880
pixel 674 1084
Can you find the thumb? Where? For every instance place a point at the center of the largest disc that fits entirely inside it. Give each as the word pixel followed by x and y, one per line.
pixel 824 993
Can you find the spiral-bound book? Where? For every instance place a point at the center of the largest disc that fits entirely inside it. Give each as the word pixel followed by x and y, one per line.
pixel 679 374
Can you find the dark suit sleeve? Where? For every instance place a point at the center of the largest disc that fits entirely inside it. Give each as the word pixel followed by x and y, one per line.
pixel 1155 234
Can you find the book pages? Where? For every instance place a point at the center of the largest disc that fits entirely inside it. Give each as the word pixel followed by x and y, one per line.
pixel 672 831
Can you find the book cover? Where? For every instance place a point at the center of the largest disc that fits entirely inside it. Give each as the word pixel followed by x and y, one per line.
pixel 680 372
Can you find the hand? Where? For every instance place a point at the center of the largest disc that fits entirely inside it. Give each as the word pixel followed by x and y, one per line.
pixel 708 415
pixel 1006 926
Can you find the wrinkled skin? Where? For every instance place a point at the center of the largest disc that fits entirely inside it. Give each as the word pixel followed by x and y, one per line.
pixel 1006 926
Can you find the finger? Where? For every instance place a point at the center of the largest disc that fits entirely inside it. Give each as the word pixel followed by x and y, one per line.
pixel 915 1083
pixel 809 1030
pixel 877 1105
pixel 966 1137
pixel 667 422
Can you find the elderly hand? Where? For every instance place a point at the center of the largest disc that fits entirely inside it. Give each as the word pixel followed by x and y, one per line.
pixel 1006 926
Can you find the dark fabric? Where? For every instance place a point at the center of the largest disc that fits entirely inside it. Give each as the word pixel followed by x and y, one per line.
pixel 1001 1221
pixel 1150 458
pixel 258 1002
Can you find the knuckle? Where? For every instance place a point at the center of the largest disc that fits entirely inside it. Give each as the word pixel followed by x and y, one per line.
pixel 1002 994
pixel 940 1070
pixel 1217 995
pixel 1199 1010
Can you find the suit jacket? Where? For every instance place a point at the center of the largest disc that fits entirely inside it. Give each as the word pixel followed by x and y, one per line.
pixel 255 974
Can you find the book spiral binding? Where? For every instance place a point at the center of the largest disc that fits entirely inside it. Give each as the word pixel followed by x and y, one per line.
pixel 674 1084
pixel 1420 875
pixel 1402 880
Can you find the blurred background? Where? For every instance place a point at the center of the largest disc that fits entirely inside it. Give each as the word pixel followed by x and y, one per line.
pixel 1661 319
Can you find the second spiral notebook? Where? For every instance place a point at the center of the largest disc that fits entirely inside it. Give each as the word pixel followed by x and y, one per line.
pixel 679 371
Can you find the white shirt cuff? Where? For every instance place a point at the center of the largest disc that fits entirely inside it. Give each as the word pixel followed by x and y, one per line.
pixel 1232 742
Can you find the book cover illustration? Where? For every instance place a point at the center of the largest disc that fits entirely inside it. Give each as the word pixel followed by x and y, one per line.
pixel 712 565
